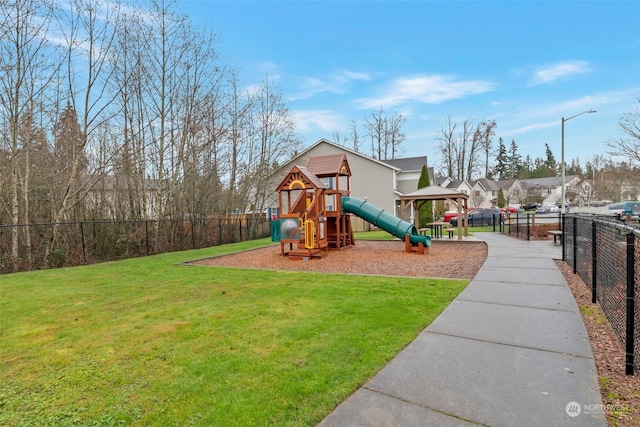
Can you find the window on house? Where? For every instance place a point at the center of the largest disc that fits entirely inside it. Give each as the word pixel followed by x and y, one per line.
pixel 328 182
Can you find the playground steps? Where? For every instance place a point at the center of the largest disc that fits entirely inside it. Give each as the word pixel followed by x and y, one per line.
pixel 339 239
pixel 306 253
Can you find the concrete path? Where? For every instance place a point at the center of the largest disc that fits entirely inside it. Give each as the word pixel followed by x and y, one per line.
pixel 510 350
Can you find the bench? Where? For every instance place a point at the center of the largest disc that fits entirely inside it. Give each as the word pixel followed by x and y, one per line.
pixel 555 234
pixel 449 231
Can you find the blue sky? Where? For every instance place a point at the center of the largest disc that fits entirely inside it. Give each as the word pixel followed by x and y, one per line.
pixel 524 64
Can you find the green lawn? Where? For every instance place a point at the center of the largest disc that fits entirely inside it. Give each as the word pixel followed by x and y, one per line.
pixel 147 342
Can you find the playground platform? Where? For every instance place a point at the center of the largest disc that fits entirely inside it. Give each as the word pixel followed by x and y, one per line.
pixel 511 349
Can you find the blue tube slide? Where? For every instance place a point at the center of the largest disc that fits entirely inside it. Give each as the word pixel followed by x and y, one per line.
pixel 384 220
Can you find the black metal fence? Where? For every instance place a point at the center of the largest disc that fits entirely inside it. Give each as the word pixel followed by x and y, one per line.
pixel 89 242
pixel 525 225
pixel 604 253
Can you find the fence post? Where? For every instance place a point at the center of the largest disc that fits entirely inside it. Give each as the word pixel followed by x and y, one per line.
pixel 528 228
pixel 563 238
pixel 84 255
pixel 594 261
pixel 630 302
pixel 193 236
pixel 575 245
pixel 146 235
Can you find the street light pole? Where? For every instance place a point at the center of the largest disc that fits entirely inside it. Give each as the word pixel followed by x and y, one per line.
pixel 563 211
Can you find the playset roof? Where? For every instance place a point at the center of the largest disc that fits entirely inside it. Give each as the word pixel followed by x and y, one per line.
pixel 329 165
pixel 300 178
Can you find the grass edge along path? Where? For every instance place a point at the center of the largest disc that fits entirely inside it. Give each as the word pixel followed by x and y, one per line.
pixel 147 342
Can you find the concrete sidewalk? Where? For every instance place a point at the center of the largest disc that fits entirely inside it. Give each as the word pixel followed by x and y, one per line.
pixel 510 350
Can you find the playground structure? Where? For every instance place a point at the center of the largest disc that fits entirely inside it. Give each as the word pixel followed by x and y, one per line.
pixel 315 207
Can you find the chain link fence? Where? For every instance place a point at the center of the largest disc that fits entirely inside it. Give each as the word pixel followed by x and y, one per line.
pixel 88 242
pixel 605 253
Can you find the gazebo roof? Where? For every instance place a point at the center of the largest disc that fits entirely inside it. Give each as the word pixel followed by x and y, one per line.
pixel 434 192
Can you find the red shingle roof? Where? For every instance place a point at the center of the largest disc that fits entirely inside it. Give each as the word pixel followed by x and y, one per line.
pixel 329 165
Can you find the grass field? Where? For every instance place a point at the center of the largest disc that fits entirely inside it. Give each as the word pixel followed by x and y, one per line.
pixel 147 342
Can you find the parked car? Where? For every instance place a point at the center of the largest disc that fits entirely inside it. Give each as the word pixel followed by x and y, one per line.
pixel 448 215
pixel 632 209
pixel 615 210
pixel 545 209
pixel 510 209
pixel 530 207
pixel 480 217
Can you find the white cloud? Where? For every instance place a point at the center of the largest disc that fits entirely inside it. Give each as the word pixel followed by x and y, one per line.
pixel 430 89
pixel 561 69
pixel 338 82
pixel 539 117
pixel 325 120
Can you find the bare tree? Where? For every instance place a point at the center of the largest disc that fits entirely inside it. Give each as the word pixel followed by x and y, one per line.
pixel 394 135
pixel 355 136
pixel 89 32
pixel 27 67
pixel 376 130
pixel 386 134
pixel 338 139
pixel 466 150
pixel 274 141
pixel 486 131
pixel 628 144
pixel 448 143
pixel 460 153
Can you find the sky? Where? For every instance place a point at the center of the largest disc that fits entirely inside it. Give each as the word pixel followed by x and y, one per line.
pixel 524 64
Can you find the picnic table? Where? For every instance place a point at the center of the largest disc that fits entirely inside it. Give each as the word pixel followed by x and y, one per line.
pixel 435 228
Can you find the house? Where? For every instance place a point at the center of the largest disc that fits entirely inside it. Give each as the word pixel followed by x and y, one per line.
pixel 513 192
pixel 459 185
pixel 548 191
pixel 484 192
pixel 381 183
pixel 410 171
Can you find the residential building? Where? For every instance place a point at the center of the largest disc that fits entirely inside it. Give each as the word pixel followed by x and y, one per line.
pixel 484 193
pixel 548 191
pixel 513 192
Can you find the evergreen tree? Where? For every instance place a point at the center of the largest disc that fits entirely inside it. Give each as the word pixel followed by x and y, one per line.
pixel 541 169
pixel 501 168
pixel 575 168
pixel 425 212
pixel 501 201
pixel 526 168
pixel 550 162
pixel 515 160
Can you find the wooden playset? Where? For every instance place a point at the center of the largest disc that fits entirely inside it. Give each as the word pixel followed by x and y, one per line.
pixel 315 205
pixel 311 216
